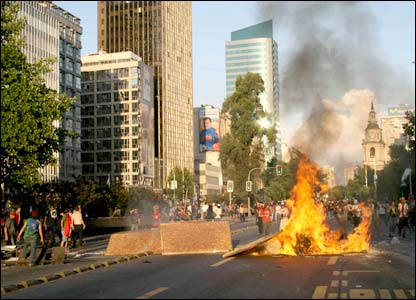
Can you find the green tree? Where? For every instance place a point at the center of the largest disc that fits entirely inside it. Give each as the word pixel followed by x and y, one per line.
pixel 185 183
pixel 242 149
pixel 409 131
pixel 28 109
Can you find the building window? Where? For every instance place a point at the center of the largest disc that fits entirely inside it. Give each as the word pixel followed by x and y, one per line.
pixel 372 152
pixel 102 98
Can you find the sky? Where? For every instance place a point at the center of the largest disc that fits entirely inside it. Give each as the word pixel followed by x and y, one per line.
pixel 392 26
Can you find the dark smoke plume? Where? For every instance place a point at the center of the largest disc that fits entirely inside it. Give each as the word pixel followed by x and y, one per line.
pixel 334 49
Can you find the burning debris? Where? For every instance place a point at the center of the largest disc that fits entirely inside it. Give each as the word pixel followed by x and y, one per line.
pixel 306 232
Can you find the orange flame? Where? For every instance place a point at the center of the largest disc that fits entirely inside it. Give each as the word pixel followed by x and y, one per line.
pixel 306 232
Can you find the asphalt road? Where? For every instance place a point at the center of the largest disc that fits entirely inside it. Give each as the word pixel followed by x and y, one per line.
pixel 377 274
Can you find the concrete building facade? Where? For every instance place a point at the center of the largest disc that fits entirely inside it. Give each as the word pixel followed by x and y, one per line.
pixel 160 32
pixel 52 32
pixel 253 49
pixel 208 172
pixel 117 119
pixel 350 173
pixel 392 127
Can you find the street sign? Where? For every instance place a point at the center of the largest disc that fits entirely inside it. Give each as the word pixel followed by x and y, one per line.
pixel 248 186
pixel 279 170
pixel 230 186
pixel 173 185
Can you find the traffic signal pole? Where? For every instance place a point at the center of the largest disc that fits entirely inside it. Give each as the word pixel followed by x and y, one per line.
pixel 248 179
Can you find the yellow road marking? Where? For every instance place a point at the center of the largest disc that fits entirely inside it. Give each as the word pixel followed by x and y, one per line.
pixel 332 295
pixel 399 294
pixel 319 292
pixel 335 283
pixel 344 283
pixel 412 292
pixel 336 273
pixel 345 273
pixel 362 294
pixel 222 261
pixel 333 260
pixel 152 293
pixel 384 294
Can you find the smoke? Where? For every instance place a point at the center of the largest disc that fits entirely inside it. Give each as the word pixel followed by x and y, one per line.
pixel 334 50
pixel 333 134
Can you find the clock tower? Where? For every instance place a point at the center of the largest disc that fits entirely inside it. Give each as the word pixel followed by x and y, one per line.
pixel 373 145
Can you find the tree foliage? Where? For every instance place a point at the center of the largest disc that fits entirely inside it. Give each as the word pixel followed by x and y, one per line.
pixel 185 183
pixel 242 149
pixel 409 131
pixel 28 108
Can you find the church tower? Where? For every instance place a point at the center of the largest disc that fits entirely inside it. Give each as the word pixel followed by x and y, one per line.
pixel 373 145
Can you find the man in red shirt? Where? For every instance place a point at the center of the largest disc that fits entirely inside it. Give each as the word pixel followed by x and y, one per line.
pixel 265 213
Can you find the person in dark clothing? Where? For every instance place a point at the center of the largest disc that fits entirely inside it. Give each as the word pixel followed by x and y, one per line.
pixel 210 213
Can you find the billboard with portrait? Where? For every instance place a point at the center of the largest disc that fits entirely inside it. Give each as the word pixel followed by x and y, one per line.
pixel 147 115
pixel 209 129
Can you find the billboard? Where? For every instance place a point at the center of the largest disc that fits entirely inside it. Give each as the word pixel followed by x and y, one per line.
pixel 147 115
pixel 209 129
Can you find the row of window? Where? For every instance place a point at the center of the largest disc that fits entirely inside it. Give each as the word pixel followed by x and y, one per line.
pixel 245 45
pixel 109 156
pixel 245 57
pixel 106 168
pixel 246 69
pixel 106 86
pixel 106 97
pixel 106 132
pixel 239 64
pixel 109 144
pixel 244 51
pixel 106 121
pixel 106 109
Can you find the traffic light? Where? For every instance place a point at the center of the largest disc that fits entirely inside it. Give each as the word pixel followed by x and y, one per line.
pixel 230 186
pixel 279 170
pixel 248 186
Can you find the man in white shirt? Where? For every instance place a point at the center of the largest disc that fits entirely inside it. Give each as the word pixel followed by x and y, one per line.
pixel 78 226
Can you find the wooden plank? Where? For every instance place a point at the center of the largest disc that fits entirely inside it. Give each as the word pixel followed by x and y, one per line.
pixel 249 246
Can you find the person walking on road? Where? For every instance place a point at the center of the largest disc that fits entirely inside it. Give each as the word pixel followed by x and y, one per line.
pixel 10 229
pixel 66 226
pixel 403 216
pixel 78 226
pixel 266 214
pixel 392 214
pixel 32 229
pixel 242 211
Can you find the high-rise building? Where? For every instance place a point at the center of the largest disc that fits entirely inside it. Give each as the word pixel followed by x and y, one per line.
pixel 207 143
pixel 392 127
pixel 160 32
pixel 253 49
pixel 117 119
pixel 52 32
pixel 349 173
pixel 329 173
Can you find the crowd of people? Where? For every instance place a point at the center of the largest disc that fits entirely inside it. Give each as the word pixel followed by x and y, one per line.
pixel 395 217
pixel 64 229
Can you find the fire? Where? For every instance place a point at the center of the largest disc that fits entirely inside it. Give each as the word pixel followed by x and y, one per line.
pixel 306 232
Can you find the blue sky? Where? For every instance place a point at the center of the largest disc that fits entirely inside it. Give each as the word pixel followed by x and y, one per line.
pixel 213 22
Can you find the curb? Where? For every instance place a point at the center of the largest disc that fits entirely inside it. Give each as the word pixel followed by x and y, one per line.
pixel 78 270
